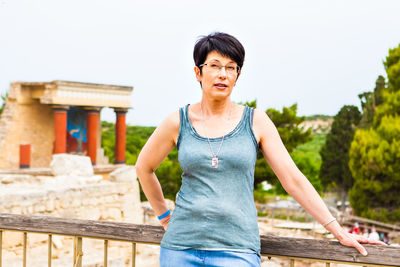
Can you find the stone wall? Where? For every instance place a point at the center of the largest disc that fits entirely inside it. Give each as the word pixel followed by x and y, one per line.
pixel 117 199
pixel 25 120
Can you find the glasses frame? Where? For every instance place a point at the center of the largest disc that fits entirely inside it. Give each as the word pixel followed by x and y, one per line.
pixel 222 66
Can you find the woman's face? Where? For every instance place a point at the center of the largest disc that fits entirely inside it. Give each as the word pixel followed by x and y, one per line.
pixel 215 81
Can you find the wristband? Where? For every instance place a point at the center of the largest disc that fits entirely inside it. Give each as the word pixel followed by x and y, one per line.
pixel 328 222
pixel 168 212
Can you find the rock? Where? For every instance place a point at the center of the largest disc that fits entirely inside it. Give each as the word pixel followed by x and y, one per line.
pixel 17 178
pixel 71 165
pixel 74 180
pixel 123 174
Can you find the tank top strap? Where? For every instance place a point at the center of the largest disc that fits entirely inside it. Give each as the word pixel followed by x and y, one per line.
pixel 183 123
pixel 249 112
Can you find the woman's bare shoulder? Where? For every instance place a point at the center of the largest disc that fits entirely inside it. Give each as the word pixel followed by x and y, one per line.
pixel 262 124
pixel 173 119
pixel 260 118
pixel 170 126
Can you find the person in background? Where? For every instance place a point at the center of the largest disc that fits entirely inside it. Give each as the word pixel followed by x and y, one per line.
pixel 373 235
pixel 365 232
pixel 215 219
pixel 356 229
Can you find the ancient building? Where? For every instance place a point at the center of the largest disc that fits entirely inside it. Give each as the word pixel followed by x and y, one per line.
pixel 45 118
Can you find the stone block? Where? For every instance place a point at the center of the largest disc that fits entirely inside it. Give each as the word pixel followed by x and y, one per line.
pixel 132 210
pixel 71 165
pixel 17 178
pixel 90 213
pixel 123 174
pixel 39 208
pixel 113 214
pixel 50 205
pixel 76 202
pixel 16 210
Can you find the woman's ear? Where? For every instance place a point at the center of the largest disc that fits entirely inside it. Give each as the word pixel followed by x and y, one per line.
pixel 238 76
pixel 198 74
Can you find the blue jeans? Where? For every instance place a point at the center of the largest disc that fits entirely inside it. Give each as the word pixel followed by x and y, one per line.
pixel 209 258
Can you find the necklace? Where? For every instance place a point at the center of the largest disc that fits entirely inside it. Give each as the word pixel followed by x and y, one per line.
pixel 214 160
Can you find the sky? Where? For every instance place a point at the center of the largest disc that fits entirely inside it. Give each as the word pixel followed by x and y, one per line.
pixel 319 54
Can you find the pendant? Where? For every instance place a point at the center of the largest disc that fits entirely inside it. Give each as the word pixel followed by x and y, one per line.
pixel 214 162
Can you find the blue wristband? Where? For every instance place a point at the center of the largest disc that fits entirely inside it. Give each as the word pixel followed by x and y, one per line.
pixel 168 212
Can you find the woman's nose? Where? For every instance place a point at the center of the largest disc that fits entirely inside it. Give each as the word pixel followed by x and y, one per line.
pixel 222 71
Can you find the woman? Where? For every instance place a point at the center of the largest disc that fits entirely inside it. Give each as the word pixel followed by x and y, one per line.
pixel 215 219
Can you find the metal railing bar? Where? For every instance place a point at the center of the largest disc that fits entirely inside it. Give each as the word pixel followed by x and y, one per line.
pixel 24 252
pixel 105 253
pixel 133 254
pixel 78 252
pixel 49 252
pixel 1 247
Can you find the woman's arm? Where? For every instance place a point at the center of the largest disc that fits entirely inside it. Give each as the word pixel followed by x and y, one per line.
pixel 160 143
pixel 295 183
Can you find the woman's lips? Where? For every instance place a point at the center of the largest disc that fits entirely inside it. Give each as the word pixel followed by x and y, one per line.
pixel 220 86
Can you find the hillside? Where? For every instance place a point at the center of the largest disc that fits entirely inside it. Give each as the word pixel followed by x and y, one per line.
pixel 318 123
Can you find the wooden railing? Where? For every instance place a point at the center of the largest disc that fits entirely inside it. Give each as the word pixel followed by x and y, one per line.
pixel 273 246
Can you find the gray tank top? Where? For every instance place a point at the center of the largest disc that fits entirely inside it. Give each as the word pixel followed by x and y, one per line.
pixel 215 207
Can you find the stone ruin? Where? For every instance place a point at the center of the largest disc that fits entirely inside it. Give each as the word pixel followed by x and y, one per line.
pixel 72 191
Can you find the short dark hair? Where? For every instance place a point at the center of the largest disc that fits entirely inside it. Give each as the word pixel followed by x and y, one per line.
pixel 223 43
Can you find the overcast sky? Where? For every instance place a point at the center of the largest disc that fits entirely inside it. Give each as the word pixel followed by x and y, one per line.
pixel 317 53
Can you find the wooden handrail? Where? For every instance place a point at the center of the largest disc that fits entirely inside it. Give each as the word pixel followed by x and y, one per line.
pixel 321 250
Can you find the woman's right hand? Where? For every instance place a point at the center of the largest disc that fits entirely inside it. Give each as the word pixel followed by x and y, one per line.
pixel 164 222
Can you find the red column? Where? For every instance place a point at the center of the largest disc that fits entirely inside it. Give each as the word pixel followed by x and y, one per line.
pixel 92 121
pixel 60 129
pixel 24 156
pixel 120 136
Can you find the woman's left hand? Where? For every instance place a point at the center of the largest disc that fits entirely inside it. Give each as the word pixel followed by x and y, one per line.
pixel 164 222
pixel 353 240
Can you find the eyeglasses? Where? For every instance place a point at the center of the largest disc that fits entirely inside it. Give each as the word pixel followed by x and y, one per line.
pixel 230 69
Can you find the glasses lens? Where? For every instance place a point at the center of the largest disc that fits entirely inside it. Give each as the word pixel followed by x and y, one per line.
pixel 231 69
pixel 216 67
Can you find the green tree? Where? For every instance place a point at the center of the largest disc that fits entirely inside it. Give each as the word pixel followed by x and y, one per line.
pixel 374 153
pixel 335 172
pixel 287 123
pixel 369 102
pixel 168 173
pixel 3 98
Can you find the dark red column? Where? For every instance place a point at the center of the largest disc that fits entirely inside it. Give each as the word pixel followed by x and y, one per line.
pixel 60 129
pixel 24 156
pixel 92 121
pixel 120 136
